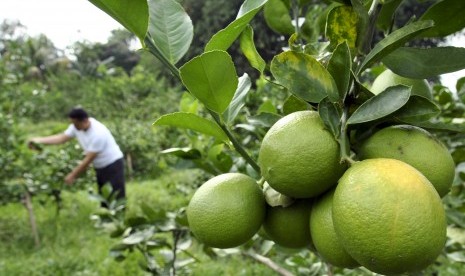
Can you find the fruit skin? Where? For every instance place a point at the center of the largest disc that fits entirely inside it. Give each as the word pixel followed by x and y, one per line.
pixel 226 211
pixel 416 147
pixel 324 236
pixel 420 87
pixel 288 226
pixel 388 216
pixel 298 157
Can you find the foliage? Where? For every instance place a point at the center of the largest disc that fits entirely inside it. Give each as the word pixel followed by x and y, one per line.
pixel 220 124
pixel 38 83
pixel 40 174
pixel 323 68
pixel 70 244
pixel 92 58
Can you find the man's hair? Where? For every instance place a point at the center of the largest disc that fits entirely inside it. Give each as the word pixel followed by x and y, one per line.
pixel 78 113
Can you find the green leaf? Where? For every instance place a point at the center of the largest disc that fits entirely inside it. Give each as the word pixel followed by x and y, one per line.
pixel 434 125
pixel 393 41
pixel 317 49
pixel 456 217
pixel 268 107
pixel 363 21
pixel 386 15
pixel 341 25
pixel 459 156
pixel 224 38
pixel 304 76
pixel 278 17
pixel 457 256
pixel 188 103
pixel 118 256
pixel 293 104
pixel 238 100
pixel 219 159
pixel 419 63
pixel 339 66
pixel 250 52
pixel 460 85
pixel 315 22
pixel 264 119
pixel 211 78
pixel 170 28
pixel 139 236
pixel 184 153
pixel 381 105
pixel 331 116
pixel 153 215
pixel 417 109
pixel 192 122
pixel 132 14
pixel 294 43
pixel 447 16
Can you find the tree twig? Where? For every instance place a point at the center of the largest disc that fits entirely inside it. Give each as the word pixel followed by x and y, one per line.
pixel 268 262
pixel 176 234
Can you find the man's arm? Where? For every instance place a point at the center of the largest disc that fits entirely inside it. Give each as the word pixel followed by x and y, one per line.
pixel 51 140
pixel 71 177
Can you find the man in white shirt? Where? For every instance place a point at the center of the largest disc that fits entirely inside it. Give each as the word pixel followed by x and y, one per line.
pixel 100 149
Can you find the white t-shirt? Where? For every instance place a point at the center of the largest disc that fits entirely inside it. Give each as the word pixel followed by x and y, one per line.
pixel 97 138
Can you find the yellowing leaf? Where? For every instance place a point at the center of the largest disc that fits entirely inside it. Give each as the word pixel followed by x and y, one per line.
pixel 341 26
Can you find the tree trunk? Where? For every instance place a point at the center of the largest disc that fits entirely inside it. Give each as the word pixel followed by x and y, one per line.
pixel 129 163
pixel 32 218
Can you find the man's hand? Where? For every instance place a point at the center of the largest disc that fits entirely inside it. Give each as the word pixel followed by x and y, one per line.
pixel 70 178
pixel 33 144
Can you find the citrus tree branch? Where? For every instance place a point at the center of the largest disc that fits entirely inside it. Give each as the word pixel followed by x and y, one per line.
pixel 239 148
pixel 268 262
pixel 153 49
pixel 372 17
pixel 295 15
pixel 369 33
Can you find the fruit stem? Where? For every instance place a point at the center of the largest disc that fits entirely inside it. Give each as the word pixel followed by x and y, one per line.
pixel 344 139
pixel 235 143
pixel 261 182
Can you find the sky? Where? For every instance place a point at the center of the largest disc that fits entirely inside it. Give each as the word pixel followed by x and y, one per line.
pixel 63 21
pixel 68 21
pixel 450 80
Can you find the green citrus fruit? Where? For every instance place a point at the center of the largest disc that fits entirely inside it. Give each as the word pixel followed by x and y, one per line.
pixel 323 235
pixel 288 226
pixel 388 78
pixel 299 157
pixel 388 216
pixel 227 210
pixel 414 146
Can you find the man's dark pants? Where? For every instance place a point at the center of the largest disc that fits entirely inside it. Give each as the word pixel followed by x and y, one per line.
pixel 113 173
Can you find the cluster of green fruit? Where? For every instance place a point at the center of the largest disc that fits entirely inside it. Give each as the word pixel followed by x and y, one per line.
pixel 383 212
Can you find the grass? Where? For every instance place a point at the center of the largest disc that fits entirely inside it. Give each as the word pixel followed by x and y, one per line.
pixel 71 245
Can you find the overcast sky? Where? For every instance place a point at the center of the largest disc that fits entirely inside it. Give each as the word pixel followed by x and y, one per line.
pixel 63 21
pixel 68 21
